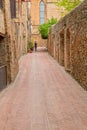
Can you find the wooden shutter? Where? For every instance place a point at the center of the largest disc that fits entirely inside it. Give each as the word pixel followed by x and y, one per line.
pixel 13 8
pixel 1 4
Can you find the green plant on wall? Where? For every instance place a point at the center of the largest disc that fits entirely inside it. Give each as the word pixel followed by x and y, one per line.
pixel 67 5
pixel 44 28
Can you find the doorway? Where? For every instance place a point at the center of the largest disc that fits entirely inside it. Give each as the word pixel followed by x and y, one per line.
pixel 61 49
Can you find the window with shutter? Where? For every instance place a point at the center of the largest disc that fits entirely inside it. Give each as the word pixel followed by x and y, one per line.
pixel 13 8
pixel 1 4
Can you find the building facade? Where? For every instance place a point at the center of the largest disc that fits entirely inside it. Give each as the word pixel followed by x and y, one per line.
pixel 14 31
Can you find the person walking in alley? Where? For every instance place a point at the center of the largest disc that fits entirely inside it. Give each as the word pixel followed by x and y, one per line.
pixel 35 46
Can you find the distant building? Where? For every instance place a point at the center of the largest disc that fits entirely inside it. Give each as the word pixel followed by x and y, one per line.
pixel 41 11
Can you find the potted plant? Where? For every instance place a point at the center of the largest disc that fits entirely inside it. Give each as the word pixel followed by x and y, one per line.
pixel 30 46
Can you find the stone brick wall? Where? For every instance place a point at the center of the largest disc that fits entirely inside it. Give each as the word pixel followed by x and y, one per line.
pixel 70 39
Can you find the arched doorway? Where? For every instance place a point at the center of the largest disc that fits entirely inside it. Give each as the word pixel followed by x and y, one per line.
pixel 67 50
pixel 61 48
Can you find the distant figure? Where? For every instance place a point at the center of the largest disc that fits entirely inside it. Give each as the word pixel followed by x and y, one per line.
pixel 35 46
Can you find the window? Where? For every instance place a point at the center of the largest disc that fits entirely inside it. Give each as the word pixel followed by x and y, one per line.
pixel 1 4
pixel 42 12
pixel 13 8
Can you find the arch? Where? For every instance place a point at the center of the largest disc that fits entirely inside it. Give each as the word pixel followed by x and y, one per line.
pixel 67 50
pixel 61 48
pixel 42 12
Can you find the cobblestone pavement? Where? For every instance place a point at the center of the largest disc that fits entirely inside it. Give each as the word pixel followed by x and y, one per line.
pixel 43 97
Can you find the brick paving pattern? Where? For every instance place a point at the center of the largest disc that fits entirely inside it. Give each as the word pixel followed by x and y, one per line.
pixel 43 97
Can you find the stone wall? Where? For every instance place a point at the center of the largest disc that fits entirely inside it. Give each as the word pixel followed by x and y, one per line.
pixel 69 46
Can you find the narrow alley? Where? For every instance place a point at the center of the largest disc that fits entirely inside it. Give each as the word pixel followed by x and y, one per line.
pixel 43 97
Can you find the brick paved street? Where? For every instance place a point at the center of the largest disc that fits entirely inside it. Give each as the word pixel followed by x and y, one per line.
pixel 43 97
